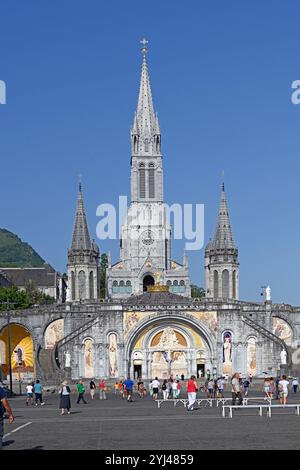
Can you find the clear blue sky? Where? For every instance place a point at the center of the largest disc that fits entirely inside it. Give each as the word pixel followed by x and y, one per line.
pixel 221 75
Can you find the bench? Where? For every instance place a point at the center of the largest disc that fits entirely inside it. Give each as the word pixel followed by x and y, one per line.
pixel 260 407
pixel 294 405
pixel 243 407
pixel 184 401
pixel 245 400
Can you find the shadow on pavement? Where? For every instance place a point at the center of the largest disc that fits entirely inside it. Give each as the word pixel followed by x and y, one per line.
pixel 7 443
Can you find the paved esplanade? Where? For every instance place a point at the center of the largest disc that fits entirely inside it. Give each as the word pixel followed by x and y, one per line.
pixel 115 424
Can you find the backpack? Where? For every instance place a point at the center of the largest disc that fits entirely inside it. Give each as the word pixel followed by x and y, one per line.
pixel 164 387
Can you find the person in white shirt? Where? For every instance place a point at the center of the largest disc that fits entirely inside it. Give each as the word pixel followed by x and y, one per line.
pixel 295 384
pixel 155 388
pixel 283 389
pixel 174 389
pixel 29 392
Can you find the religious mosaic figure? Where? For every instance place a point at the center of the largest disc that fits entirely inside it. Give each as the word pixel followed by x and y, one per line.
pixel 89 358
pixel 227 353
pixel 112 355
pixel 54 333
pixel 283 330
pixel 19 356
pixel 168 339
pixel 131 320
pixel 251 356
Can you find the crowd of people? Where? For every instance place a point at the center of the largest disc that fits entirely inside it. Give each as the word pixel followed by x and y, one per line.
pixel 172 388
pixel 213 387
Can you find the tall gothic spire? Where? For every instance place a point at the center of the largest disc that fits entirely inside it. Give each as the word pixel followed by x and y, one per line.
pixel 145 130
pixel 223 235
pixel 146 119
pixel 81 238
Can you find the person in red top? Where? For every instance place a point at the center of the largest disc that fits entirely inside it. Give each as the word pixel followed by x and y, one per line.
pixel 192 389
pixel 102 388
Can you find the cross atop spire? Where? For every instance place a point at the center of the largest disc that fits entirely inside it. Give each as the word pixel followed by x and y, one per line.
pixel 144 49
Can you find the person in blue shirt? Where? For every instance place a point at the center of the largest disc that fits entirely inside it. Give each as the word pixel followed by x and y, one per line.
pixel 38 392
pixel 4 406
pixel 129 387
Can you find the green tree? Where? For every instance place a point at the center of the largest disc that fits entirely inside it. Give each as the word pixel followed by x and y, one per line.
pixel 23 299
pixel 102 275
pixel 197 292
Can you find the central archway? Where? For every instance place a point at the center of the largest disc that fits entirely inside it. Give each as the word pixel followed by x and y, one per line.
pixel 194 343
pixel 148 281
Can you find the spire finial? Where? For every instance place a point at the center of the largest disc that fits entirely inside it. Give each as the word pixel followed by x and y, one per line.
pixel 144 49
pixel 80 182
pixel 223 177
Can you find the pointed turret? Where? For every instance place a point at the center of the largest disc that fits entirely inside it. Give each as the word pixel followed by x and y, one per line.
pixel 221 258
pixel 83 258
pixel 223 236
pixel 81 238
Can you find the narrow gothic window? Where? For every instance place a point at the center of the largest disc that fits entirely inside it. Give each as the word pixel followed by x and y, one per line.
pixel 142 183
pixel 151 182
pixel 216 284
pixel 234 285
pixel 225 284
pixel 81 285
pixel 91 282
pixel 146 145
pixel 73 285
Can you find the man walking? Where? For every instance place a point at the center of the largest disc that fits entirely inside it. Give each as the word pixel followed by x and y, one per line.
pixel 246 385
pixel 38 393
pixel 220 387
pixel 155 388
pixel 129 387
pixel 236 389
pixel 192 389
pixel 81 390
pixel 295 384
pixel 4 406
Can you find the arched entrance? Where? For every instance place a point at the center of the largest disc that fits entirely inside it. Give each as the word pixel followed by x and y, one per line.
pixel 169 346
pixel 148 281
pixel 22 354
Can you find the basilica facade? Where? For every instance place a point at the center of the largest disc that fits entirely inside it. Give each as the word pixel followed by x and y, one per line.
pixel 148 325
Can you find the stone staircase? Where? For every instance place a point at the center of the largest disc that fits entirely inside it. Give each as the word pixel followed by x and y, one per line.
pixel 268 334
pixel 49 373
pixel 51 370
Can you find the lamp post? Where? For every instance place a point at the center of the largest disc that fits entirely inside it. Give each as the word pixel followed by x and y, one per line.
pixel 19 372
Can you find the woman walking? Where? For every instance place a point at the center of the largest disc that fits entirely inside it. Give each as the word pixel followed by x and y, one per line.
pixel 29 393
pixel 92 389
pixel 65 402
pixel 192 389
pixel 165 389
pixel 178 388
pixel 272 389
pixel 102 389
pixel 266 388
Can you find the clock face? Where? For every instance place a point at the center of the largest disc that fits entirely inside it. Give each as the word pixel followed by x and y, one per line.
pixel 147 238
